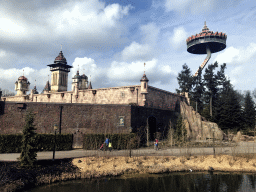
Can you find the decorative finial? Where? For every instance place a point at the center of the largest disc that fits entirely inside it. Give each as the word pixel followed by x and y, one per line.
pixel 23 72
pixel 61 47
pixel 48 77
pixel 35 82
pixel 144 67
pixel 205 23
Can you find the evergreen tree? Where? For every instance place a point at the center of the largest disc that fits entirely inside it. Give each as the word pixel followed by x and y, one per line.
pixel 229 112
pixel 197 93
pixel 249 111
pixel 185 80
pixel 211 85
pixel 28 149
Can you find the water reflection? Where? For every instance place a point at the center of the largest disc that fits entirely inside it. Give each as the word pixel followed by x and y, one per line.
pixel 186 182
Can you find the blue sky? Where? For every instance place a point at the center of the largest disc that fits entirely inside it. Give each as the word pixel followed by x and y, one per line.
pixel 110 40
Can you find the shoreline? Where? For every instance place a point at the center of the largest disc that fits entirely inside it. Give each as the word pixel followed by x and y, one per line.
pixel 106 166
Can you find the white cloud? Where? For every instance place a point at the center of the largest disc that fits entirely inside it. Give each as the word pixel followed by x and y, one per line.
pixel 150 33
pixel 178 38
pixel 237 56
pixel 136 51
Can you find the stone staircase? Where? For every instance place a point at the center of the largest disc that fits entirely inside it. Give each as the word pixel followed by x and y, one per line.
pixel 197 127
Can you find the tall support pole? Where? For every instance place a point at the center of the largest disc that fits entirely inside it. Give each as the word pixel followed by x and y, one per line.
pixel 208 51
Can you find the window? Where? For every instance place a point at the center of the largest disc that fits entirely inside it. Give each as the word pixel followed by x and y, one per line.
pixel 145 86
pixel 121 120
pixel 122 94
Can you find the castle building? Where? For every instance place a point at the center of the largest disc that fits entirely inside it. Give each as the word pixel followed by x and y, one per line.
pixel 83 110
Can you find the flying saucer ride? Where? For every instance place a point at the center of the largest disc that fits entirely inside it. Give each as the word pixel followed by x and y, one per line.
pixel 206 42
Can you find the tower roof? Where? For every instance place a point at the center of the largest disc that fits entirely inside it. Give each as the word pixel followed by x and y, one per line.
pixel 90 85
pixel 47 86
pixel 60 58
pixel 22 78
pixel 60 63
pixel 84 76
pixel 144 78
pixel 77 76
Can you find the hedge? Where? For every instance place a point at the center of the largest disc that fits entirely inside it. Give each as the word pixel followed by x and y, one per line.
pixel 12 143
pixel 119 141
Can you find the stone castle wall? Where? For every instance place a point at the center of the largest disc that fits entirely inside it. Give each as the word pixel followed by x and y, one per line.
pixel 85 118
pixel 155 97
pixel 113 95
pixel 82 117
pixel 158 98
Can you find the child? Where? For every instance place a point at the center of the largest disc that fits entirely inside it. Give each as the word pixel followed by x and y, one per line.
pixel 110 146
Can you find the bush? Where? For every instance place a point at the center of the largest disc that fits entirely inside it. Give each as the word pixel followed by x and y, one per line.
pixel 10 143
pixel 119 141
pixel 44 142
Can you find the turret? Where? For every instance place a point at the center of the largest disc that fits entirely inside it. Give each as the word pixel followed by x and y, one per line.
pixel 144 84
pixel 75 83
pixel 60 70
pixel 84 82
pixel 144 88
pixel 22 86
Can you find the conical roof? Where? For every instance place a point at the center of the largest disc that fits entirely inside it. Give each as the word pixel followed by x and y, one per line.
pixel 60 58
pixel 90 85
pixel 47 86
pixel 144 78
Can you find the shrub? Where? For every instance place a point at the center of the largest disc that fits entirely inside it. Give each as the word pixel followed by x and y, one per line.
pixel 119 141
pixel 43 142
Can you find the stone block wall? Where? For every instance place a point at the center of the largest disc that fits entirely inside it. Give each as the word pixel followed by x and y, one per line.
pixel 158 98
pixel 75 117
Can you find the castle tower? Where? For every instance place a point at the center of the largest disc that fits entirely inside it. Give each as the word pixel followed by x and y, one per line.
pixel 144 88
pixel 84 82
pixel 59 77
pixel 22 86
pixel 75 83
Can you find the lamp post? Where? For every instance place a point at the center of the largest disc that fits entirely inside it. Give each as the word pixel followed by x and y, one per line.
pixel 55 127
pixel 213 141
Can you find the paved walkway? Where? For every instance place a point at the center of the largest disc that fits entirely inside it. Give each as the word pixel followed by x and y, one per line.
pixel 243 147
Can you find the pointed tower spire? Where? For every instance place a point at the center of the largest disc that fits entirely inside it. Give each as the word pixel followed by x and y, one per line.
pixel 90 84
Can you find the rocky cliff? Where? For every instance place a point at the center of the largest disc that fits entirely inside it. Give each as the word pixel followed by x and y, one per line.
pixel 197 127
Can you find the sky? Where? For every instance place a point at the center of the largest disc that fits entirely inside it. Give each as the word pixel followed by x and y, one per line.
pixel 110 40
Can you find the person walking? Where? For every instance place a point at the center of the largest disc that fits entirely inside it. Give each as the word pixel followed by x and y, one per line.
pixel 106 143
pixel 110 145
pixel 156 144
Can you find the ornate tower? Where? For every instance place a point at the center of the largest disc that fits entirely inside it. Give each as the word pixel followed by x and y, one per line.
pixel 75 83
pixel 144 88
pixel 60 70
pixel 22 86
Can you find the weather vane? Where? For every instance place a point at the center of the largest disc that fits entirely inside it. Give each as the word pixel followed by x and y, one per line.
pixel 61 47
pixel 144 67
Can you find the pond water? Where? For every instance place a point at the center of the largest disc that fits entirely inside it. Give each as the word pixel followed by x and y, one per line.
pixel 185 182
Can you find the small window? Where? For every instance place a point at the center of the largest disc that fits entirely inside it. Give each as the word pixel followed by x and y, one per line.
pixel 122 94
pixel 121 120
pixel 145 86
